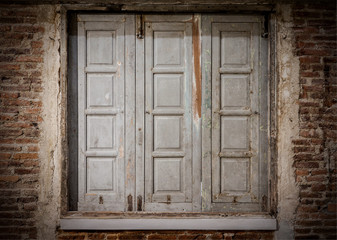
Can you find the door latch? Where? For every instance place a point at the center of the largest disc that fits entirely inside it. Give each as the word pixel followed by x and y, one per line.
pixel 139 26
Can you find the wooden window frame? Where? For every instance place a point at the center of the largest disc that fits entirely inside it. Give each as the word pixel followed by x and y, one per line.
pixel 72 220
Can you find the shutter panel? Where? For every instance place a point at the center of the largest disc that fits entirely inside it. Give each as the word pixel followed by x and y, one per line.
pixel 168 118
pixel 236 161
pixel 101 84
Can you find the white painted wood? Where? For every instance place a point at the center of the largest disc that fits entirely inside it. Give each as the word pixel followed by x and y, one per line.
pixel 140 111
pixel 220 18
pixel 228 223
pixel 196 102
pixel 144 133
pixel 168 18
pixel 101 18
pixel 236 163
pixel 206 53
pixel 101 112
pixel 130 110
pixel 168 116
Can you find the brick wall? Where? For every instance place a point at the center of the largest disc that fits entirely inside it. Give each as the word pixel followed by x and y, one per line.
pixel 315 149
pixel 21 57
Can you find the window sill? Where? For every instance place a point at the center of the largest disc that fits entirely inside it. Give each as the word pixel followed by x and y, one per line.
pixel 158 222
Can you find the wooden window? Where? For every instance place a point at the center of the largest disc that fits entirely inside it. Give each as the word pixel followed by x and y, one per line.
pixel 171 113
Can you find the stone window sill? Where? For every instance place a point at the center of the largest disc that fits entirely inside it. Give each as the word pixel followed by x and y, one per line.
pixel 159 222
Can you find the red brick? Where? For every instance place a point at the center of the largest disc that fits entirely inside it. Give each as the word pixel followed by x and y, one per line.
pixel 306 237
pixel 316 178
pixel 22 171
pixel 303 149
pixel 97 236
pixel 310 59
pixel 25 156
pixel 310 194
pixel 9 178
pixel 71 237
pixel 4 156
pixel 300 14
pixel 9 66
pixel 321 22
pixel 28 29
pixel 332 207
pixel 318 187
pixel 307 165
pixel 112 237
pixel 191 237
pixel 37 44
pixel 5 28
pixel 161 237
pixel 29 59
pixel 309 223
pixel 302 172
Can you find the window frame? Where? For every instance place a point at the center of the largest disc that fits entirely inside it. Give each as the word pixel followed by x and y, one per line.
pixel 71 220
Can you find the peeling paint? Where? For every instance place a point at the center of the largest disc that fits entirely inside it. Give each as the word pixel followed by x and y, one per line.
pixel 287 130
pixel 197 68
pixel 51 150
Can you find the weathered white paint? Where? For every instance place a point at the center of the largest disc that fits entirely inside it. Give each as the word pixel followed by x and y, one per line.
pixel 51 151
pixel 239 175
pixel 168 115
pixel 101 110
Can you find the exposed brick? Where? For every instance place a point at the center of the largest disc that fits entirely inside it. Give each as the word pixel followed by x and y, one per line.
pixel 25 156
pixel 191 237
pixel 28 29
pixel 23 58
pixel 315 40
pixel 9 178
pixel 302 172
pixel 318 187
pixel 332 207
pixel 306 165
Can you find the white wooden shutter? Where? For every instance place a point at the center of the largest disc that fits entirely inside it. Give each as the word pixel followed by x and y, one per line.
pixel 168 113
pixel 236 163
pixel 102 44
pixel 165 162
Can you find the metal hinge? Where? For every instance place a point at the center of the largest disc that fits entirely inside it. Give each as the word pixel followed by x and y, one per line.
pixel 139 203
pixel 139 26
pixel 130 207
pixel 265 32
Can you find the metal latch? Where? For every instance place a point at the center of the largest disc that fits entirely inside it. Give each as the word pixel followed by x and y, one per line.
pixel 265 32
pixel 139 26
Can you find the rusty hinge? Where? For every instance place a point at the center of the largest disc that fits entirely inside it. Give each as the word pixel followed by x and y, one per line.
pixel 265 32
pixel 264 203
pixel 130 208
pixel 139 203
pixel 139 26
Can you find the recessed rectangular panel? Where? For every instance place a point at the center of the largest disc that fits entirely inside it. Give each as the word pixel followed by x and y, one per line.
pixel 168 48
pixel 234 175
pixel 167 90
pixel 167 174
pixel 100 132
pixel 100 47
pixel 100 174
pixel 234 48
pixel 234 91
pixel 100 90
pixel 234 133
pixel 167 132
